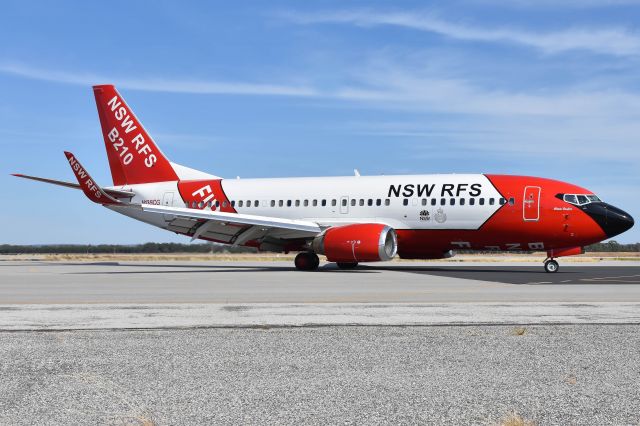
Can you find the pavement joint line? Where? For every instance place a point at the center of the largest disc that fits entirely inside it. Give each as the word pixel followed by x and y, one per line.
pixel 310 326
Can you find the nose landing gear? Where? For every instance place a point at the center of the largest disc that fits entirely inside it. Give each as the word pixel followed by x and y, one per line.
pixel 307 261
pixel 551 265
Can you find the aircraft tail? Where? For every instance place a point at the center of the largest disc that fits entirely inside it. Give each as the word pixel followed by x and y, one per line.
pixel 133 155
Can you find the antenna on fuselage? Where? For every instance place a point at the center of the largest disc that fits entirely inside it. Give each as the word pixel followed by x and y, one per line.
pixel 356 172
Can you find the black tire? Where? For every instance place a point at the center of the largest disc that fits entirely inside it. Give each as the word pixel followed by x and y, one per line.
pixel 347 265
pixel 551 266
pixel 306 261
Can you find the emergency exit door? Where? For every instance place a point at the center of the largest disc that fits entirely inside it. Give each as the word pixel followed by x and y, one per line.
pixel 531 203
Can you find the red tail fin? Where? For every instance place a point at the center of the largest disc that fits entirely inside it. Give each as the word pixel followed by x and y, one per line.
pixel 133 155
pixel 87 184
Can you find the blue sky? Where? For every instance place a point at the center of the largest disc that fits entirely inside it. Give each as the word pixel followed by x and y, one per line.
pixel 289 88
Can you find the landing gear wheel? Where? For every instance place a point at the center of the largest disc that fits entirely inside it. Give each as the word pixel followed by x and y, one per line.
pixel 551 266
pixel 347 265
pixel 306 261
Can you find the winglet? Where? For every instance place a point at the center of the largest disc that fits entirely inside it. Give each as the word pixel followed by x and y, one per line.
pixel 88 185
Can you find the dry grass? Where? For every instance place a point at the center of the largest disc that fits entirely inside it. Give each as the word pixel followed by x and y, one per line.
pixel 571 379
pixel 270 257
pixel 515 419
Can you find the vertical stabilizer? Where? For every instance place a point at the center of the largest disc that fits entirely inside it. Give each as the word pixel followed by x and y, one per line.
pixel 133 155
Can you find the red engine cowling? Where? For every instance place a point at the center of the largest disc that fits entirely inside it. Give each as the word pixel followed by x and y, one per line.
pixel 365 242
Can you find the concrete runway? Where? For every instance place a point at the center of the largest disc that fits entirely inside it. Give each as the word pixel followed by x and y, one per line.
pixel 278 282
pixel 154 343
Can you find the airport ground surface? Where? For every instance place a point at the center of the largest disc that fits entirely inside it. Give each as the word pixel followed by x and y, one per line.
pixel 239 343
pixel 279 282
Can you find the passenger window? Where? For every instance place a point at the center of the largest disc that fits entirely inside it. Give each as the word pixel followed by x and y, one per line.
pixel 255 203
pixel 240 203
pixel 378 202
pixel 288 203
pixel 462 201
pixel 369 202
pixel 472 201
pixel 224 204
pixel 362 201
pixel 315 203
pixel 353 202
pixel 452 201
pixel 297 203
pixel 492 201
pixel 481 201
pixel 248 203
pixel 334 202
pixel 209 204
pixel 233 203
pixel 582 199
pixel 424 201
pixel 273 203
pixel 387 202
pixel 502 201
pixel 405 202
pixel 512 201
pixel 201 204
pixel 433 201
pixel 443 201
pixel 344 202
pixel 217 203
pixel 324 203
pixel 280 203
pixel 193 204
pixel 306 203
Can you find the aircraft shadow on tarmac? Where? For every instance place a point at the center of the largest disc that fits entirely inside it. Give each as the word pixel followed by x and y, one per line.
pixel 206 269
pixel 531 275
pixel 572 275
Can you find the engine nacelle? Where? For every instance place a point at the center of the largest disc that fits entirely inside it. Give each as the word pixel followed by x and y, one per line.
pixel 363 242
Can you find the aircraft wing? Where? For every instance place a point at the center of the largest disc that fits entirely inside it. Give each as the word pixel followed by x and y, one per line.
pixel 232 228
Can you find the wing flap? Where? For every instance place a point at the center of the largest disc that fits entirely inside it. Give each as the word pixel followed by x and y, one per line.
pixel 298 228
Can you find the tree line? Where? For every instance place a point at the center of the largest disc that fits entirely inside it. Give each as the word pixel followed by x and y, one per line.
pixel 146 248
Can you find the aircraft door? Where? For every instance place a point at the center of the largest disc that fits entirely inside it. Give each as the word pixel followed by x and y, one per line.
pixel 531 203
pixel 344 205
pixel 167 201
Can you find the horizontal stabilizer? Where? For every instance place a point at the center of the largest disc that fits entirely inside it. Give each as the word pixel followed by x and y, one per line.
pixel 117 193
pixel 88 185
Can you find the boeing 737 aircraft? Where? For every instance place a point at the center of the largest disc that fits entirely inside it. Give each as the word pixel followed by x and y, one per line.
pixel 348 219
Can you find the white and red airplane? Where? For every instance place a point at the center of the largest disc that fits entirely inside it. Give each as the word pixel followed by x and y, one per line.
pixel 348 219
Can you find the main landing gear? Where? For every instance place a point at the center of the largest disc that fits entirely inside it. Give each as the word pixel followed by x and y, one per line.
pixel 307 261
pixel 551 265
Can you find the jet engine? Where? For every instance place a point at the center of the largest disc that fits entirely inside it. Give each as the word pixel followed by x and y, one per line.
pixel 363 242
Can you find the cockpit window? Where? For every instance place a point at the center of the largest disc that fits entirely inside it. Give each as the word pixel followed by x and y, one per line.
pixel 579 199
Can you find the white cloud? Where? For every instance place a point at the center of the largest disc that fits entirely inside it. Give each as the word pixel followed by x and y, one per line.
pixel 609 41
pixel 387 85
pixel 411 88
pixel 156 84
pixel 576 4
